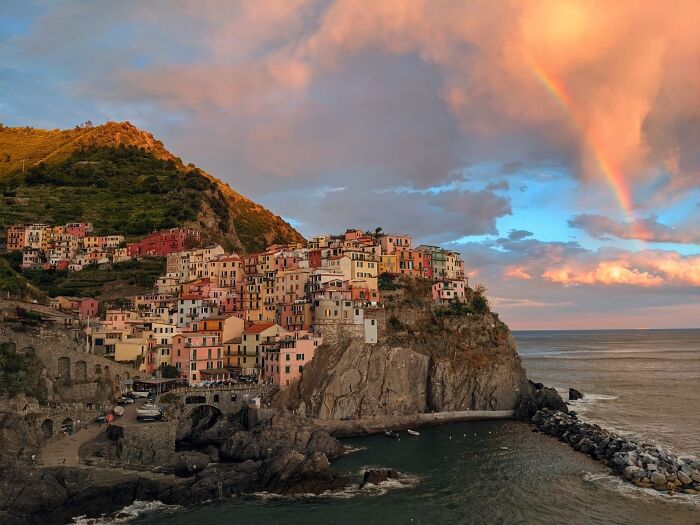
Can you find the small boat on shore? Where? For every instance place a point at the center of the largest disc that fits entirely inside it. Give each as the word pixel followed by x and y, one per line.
pixel 391 434
pixel 413 432
pixel 149 411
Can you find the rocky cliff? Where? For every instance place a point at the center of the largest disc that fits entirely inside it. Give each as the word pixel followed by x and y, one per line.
pixel 427 359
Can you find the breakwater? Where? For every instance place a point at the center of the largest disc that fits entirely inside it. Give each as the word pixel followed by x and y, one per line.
pixel 644 464
pixel 377 425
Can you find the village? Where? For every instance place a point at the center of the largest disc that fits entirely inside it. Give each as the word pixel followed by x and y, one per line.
pixel 215 317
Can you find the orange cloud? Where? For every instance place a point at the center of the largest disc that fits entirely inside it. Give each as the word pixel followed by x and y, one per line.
pixel 645 268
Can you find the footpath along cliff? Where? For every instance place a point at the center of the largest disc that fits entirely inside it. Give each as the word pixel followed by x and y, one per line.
pixel 428 358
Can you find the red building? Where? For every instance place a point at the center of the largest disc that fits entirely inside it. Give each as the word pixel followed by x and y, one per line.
pixel 163 242
pixel 315 258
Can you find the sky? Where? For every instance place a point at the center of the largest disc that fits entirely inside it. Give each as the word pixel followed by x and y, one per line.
pixel 555 144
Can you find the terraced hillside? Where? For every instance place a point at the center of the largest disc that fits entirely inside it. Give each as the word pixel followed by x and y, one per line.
pixel 123 180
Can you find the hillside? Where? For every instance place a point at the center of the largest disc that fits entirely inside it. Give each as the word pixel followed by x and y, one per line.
pixel 125 181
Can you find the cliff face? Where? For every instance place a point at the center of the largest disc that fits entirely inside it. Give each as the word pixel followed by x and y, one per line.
pixel 426 360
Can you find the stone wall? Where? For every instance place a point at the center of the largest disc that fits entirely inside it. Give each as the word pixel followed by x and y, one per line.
pixel 75 374
pixel 147 443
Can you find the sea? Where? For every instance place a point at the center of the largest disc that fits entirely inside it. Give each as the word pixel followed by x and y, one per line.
pixel 641 383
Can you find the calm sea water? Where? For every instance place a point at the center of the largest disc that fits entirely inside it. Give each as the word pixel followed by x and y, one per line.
pixel 644 383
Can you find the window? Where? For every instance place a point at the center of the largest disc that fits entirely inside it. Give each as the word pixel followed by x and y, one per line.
pixel 301 368
pixel 286 369
pixel 193 366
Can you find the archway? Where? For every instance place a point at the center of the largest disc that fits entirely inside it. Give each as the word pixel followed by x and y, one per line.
pixel 216 398
pixel 67 425
pixel 64 369
pixel 98 370
pixel 47 428
pixel 81 372
pixel 117 379
pixel 204 417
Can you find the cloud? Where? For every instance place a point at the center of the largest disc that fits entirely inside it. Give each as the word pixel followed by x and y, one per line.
pixel 649 229
pixel 279 62
pixel 427 216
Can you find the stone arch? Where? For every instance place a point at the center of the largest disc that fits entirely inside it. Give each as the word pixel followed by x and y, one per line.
pixel 205 416
pixel 98 370
pixel 81 371
pixel 216 398
pixel 195 400
pixel 106 371
pixel 64 369
pixel 8 346
pixel 47 428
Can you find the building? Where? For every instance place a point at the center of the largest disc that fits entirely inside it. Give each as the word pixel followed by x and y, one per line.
pixel 246 353
pixel 392 243
pixel 287 355
pixel 449 291
pixel 195 353
pixel 164 242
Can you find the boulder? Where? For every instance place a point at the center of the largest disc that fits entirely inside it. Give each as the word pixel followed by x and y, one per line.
pixel 658 480
pixel 189 463
pixel 377 476
pixel 574 394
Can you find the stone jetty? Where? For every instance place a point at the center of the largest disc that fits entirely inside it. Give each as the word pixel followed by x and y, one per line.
pixel 646 465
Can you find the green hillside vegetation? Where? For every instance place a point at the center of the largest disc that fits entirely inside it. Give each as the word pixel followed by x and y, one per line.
pixel 120 190
pixel 125 182
pixel 109 282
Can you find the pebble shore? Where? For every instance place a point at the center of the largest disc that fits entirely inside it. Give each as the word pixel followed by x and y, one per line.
pixel 644 464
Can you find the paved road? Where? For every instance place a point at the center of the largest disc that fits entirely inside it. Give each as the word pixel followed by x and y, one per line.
pixel 65 450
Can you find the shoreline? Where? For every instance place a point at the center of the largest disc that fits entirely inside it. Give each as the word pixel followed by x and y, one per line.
pixel 340 428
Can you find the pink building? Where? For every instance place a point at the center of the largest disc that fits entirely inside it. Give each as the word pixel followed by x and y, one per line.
pixel 287 261
pixel 449 291
pixel 391 243
pixel 286 357
pixel 78 229
pixel 198 356
pixel 351 235
pixel 88 307
pixel 163 242
pixel 296 317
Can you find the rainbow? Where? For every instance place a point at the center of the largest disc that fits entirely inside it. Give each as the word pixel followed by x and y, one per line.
pixel 613 177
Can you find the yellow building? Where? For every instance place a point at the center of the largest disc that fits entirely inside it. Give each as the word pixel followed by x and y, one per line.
pixel 388 263
pixel 128 350
pixel 246 353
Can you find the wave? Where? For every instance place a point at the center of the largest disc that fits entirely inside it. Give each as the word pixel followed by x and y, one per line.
pixel 628 489
pixel 129 513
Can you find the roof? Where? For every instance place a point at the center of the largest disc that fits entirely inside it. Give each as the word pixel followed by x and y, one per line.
pixel 214 371
pixel 257 328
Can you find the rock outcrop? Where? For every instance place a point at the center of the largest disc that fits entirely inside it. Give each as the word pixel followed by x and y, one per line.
pixel 426 359
pixel 377 476
pixel 285 454
pixel 574 394
pixel 536 396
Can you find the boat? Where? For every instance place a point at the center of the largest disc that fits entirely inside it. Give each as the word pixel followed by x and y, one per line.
pixel 118 411
pixel 149 411
pixel 413 432
pixel 391 434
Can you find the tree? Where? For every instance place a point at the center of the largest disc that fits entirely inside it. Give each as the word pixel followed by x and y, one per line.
pixel 169 371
